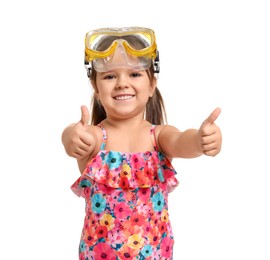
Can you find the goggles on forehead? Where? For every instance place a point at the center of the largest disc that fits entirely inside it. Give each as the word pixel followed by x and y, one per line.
pixel 109 48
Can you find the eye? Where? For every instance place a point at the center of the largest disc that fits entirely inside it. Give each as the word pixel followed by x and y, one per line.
pixel 135 74
pixel 109 76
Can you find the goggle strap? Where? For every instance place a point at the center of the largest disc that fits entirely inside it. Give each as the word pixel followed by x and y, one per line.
pixel 88 68
pixel 156 63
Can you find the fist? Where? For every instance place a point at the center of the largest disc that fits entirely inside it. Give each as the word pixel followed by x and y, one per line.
pixel 78 139
pixel 209 135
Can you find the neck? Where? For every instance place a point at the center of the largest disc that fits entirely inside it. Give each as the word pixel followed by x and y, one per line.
pixel 132 123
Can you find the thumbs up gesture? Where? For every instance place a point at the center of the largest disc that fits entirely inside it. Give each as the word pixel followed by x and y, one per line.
pixel 78 139
pixel 209 135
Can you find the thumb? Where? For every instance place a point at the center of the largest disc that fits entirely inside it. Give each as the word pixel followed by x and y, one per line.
pixel 85 115
pixel 213 117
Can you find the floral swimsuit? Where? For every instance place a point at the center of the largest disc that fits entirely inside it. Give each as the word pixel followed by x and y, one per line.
pixel 126 205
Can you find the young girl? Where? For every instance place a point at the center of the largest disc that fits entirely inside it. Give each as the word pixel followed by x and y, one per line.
pixel 125 154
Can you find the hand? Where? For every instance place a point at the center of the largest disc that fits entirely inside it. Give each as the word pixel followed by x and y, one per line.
pixel 78 139
pixel 209 135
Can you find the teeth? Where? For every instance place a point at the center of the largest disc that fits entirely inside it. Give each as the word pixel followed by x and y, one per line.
pixel 123 97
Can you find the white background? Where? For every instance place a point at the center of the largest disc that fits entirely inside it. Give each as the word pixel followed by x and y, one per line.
pixel 213 53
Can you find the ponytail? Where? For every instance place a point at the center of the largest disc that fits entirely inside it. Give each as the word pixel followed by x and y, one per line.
pixel 155 110
pixel 98 112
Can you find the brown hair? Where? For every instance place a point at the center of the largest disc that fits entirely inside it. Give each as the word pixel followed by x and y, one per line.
pixel 155 110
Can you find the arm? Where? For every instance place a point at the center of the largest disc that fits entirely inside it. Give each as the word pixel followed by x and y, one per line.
pixel 192 142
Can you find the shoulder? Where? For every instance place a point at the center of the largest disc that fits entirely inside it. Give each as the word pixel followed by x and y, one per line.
pixel 163 133
pixel 161 130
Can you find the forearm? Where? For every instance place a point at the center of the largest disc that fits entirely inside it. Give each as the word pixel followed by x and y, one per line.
pixel 82 164
pixel 176 144
pixel 187 144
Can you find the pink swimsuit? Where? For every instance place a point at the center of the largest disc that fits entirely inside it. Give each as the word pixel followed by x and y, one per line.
pixel 126 205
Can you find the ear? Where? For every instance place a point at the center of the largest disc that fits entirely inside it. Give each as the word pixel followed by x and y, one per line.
pixel 153 86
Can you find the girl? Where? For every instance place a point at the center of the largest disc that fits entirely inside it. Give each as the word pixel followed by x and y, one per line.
pixel 125 154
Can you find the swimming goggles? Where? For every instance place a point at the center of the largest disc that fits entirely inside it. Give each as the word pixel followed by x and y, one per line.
pixel 109 48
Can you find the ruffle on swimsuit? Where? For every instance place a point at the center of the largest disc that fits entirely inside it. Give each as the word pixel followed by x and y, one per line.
pixel 127 170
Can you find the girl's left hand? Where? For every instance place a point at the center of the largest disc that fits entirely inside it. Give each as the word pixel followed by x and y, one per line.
pixel 209 134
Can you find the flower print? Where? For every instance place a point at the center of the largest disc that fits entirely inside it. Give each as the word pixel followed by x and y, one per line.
pixel 151 164
pixel 161 157
pixel 146 251
pixel 124 183
pixel 166 247
pixel 102 174
pixel 111 201
pixel 81 256
pixel 84 183
pixel 147 228
pixel 114 237
pixel 96 162
pixel 168 173
pixel 126 252
pixel 105 189
pixel 130 196
pixel 113 178
pixel 108 221
pixel 86 192
pixel 101 231
pixel 143 209
pixel 137 161
pixel 142 179
pixel 154 236
pixel 102 251
pixel 98 203
pixel 169 229
pixel 165 216
pixel 120 226
pixel 137 219
pixel 135 241
pixel 113 160
pixel 122 211
pixel 89 236
pixel 160 174
pixel 156 255
pixel 125 171
pixel 82 247
pixel 130 229
pixel 91 169
pixel 90 222
pixel 162 227
pixel 144 194
pixel 172 183
pixel 158 201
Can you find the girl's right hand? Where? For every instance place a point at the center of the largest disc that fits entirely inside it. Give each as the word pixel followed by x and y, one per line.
pixel 78 139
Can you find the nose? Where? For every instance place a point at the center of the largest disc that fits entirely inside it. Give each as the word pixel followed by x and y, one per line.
pixel 122 82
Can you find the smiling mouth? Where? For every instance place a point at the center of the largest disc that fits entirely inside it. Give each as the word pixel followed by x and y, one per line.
pixel 124 97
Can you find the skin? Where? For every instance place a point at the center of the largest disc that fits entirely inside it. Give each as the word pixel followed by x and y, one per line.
pixel 124 93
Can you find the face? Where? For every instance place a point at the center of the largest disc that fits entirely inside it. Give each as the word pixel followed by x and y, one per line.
pixel 124 92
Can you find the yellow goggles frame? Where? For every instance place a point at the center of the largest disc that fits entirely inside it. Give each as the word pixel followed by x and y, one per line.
pixel 149 51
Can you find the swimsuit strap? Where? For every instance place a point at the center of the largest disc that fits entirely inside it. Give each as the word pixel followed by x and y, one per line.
pixel 104 137
pixel 153 137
